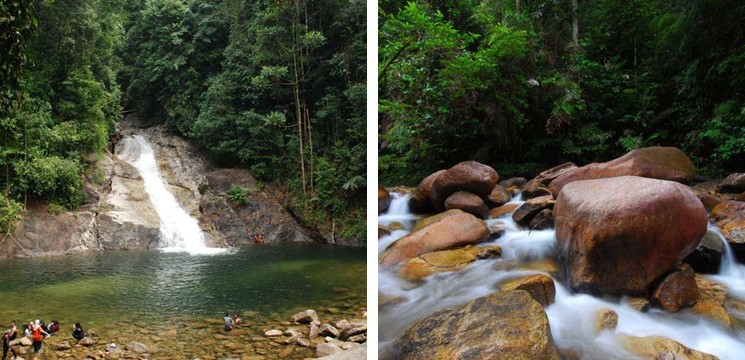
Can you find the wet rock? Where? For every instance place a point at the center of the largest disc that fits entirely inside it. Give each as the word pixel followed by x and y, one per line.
pixel 502 210
pixel 419 203
pixel 677 290
pixel 658 347
pixel 707 257
pixel 713 311
pixel 328 330
pixel 534 188
pixel 709 201
pixel 518 182
pixel 304 316
pixel 444 261
pixel 87 341
pixel 498 196
pixel 354 328
pixel 540 287
pixel 455 230
pixel 618 235
pixel 476 330
pixel 138 347
pixel 543 220
pixel 384 199
pixel 497 229
pixel 385 300
pixel 530 208
pixel 665 163
pixel 546 265
pixel 383 231
pixel 547 176
pixel 729 216
pixel 607 319
pixel 327 349
pixel 733 183
pixel 429 220
pixel 471 176
pixel 467 202
pixel 273 332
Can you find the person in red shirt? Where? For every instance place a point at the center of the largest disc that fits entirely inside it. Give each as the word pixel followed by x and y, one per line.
pixel 37 337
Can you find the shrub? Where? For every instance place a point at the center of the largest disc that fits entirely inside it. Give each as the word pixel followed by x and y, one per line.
pixel 238 195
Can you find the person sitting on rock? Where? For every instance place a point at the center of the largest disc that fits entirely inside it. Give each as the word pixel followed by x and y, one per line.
pixel 77 332
pixel 53 327
pixel 228 322
pixel 6 345
pixel 237 319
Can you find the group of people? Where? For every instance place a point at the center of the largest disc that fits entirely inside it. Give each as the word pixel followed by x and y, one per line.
pixel 37 331
pixel 231 322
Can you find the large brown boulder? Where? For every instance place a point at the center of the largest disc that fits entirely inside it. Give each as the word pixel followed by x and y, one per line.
pixel 498 196
pixel 677 290
pixel 419 202
pixel 470 203
pixel 503 325
pixel 470 176
pixel 734 183
pixel 665 163
pixel 456 230
pixel 530 208
pixel 617 235
pixel 384 199
pixel 729 216
pixel 447 260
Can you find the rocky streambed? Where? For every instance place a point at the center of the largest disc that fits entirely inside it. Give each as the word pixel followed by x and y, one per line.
pixel 625 259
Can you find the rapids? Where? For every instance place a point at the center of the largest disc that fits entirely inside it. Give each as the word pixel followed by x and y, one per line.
pixel 572 317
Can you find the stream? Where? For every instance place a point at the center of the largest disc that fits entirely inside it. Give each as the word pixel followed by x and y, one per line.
pixel 572 317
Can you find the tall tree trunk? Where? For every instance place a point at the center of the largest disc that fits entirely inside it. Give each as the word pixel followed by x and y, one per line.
pixel 517 6
pixel 298 107
pixel 310 145
pixel 575 24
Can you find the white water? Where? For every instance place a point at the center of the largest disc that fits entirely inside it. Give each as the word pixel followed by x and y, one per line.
pixel 179 232
pixel 572 317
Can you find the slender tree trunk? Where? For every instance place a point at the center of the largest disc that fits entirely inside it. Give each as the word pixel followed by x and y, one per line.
pixel 517 6
pixel 298 108
pixel 310 145
pixel 575 24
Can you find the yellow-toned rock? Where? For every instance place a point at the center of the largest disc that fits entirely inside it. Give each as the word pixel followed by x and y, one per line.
pixel 540 287
pixel 502 210
pixel 446 260
pixel 658 347
pixel 607 319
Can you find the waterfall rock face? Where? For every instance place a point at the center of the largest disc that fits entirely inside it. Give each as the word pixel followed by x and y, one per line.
pixel 665 163
pixel 618 235
pixel 119 214
pixel 503 325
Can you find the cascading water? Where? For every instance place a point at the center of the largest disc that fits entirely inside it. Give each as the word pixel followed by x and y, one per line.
pixel 179 232
pixel 572 317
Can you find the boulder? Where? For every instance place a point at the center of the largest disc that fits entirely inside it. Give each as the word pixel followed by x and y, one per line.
pixel 384 199
pixel 465 201
pixel 516 182
pixel 304 316
pixel 62 346
pixel 547 176
pixel 665 163
pixel 498 196
pixel 729 216
pixel 543 220
pixel 420 202
pixel 328 330
pixel 707 257
pixel 354 328
pixel 709 201
pixel 677 290
pixel 503 325
pixel 429 220
pixel 540 287
pixel 733 183
pixel 470 176
pixel 502 210
pixel 456 230
pixel 524 214
pixel 383 231
pixel 535 188
pixel 658 347
pixel 273 332
pixel 618 235
pixel 87 341
pixel 497 229
pixel 447 260
pixel 138 347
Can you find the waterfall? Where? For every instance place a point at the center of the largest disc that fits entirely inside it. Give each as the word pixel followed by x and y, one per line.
pixel 731 273
pixel 179 232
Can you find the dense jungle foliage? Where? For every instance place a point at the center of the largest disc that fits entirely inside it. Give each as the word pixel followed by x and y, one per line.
pixel 523 85
pixel 275 87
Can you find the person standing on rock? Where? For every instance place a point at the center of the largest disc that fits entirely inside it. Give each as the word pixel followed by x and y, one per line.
pixel 6 345
pixel 36 336
pixel 77 332
pixel 13 330
pixel 228 322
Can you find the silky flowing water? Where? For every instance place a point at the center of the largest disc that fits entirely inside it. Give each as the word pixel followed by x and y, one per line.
pixel 572 317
